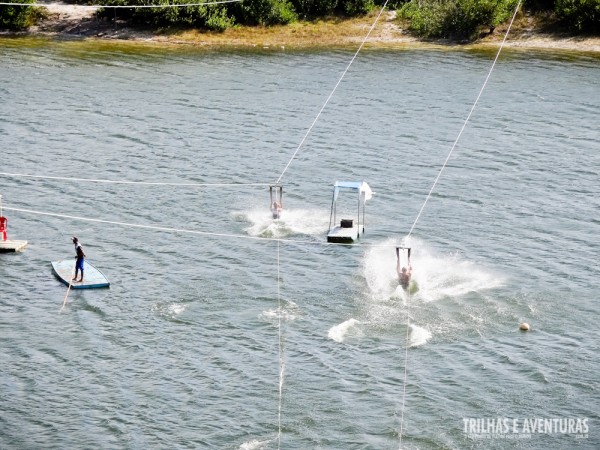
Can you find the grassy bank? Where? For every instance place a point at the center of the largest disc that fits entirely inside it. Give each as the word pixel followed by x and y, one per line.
pixel 65 22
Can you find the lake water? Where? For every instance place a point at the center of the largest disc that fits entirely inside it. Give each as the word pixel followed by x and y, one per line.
pixel 185 348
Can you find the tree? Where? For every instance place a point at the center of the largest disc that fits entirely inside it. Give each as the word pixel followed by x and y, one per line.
pixel 582 16
pixel 17 17
pixel 264 12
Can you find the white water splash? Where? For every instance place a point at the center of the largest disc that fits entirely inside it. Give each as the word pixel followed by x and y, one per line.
pixel 290 312
pixel 437 276
pixel 254 444
pixel 170 310
pixel 338 332
pixel 292 222
pixel 418 336
pixel 176 308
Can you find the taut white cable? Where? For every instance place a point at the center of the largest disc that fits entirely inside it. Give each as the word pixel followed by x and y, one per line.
pixel 144 183
pixel 281 362
pixel 422 207
pixel 467 119
pixel 332 92
pixel 184 230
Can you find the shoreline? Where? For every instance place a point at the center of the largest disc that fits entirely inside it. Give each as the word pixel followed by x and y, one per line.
pixel 67 22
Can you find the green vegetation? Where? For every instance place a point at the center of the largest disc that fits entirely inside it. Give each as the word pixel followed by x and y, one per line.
pixel 581 16
pixel 213 17
pixel 220 17
pixel 19 17
pixel 457 20
pixel 466 19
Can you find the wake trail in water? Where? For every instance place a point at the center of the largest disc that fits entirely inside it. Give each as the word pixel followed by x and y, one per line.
pixel 255 444
pixel 292 222
pixel 338 332
pixel 290 312
pixel 437 276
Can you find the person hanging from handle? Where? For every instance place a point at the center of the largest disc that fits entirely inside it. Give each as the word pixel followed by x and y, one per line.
pixel 276 200
pixel 79 258
pixel 3 224
pixel 405 273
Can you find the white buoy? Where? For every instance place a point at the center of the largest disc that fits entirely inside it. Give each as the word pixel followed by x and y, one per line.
pixel 524 326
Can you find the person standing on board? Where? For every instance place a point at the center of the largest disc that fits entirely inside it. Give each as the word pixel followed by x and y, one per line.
pixel 79 256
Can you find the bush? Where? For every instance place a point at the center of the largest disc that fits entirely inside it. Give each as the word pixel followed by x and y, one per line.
pixel 455 19
pixel 308 9
pixel 392 5
pixel 213 17
pixel 582 16
pixel 354 8
pixel 17 17
pixel 265 12
pixel 539 5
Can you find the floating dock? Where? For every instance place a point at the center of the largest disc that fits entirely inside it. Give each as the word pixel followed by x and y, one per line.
pixel 343 234
pixel 92 277
pixel 10 246
pixel 349 230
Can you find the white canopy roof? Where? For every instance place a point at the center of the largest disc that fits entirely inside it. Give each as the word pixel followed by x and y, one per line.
pixel 356 186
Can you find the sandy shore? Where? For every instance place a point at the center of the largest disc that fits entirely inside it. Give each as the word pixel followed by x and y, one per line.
pixel 72 21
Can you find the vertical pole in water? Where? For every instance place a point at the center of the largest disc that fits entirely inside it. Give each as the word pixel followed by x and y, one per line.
pixel 332 214
pixel 281 196
pixel 358 218
pixel 363 205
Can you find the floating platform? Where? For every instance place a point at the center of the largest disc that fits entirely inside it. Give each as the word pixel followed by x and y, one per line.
pixel 9 246
pixel 349 230
pixel 92 277
pixel 343 235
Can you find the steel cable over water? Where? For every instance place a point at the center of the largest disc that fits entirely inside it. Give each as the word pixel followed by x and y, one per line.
pixel 188 231
pixel 281 363
pixel 142 183
pixel 175 230
pixel 332 92
pixel 427 199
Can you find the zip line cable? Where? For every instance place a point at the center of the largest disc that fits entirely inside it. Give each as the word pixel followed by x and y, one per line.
pixel 170 5
pixel 332 92
pixel 281 366
pixel 134 225
pixel 281 363
pixel 425 202
pixel 214 3
pixel 185 230
pixel 302 142
pixel 145 183
pixel 466 120
pixel 405 365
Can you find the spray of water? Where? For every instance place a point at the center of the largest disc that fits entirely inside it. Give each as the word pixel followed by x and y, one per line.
pixel 292 222
pixel 437 277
